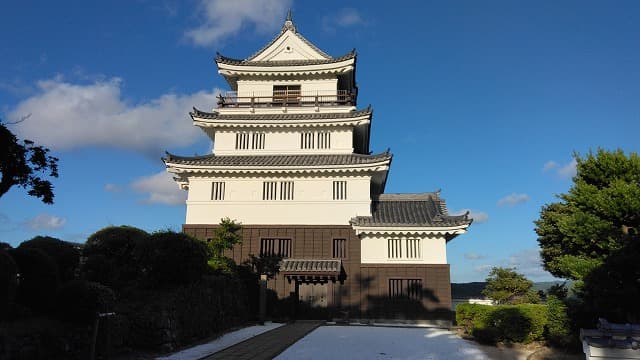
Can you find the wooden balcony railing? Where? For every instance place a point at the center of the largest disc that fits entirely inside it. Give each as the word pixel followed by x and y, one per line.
pixel 287 98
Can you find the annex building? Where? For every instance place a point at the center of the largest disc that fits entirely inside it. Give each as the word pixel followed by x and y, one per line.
pixel 291 162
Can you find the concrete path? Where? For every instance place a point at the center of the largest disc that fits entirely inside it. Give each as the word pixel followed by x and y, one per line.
pixel 267 345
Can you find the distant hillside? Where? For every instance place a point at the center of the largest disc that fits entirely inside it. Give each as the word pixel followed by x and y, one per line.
pixel 473 290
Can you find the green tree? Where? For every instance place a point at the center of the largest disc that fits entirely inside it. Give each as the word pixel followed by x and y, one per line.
pixel 226 235
pixel 26 165
pixel 506 286
pixel 596 217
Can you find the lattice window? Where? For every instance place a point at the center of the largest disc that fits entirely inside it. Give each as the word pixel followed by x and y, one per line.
pixel 274 190
pixel 315 140
pixel 275 247
pixel 324 140
pixel 217 190
pixel 410 289
pixel 339 248
pixel 250 140
pixel 413 248
pixel 286 190
pixel 394 248
pixel 339 190
pixel 269 190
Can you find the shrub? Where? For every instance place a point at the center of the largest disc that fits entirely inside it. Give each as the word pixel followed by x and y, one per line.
pixel 38 278
pixel 80 301
pixel 66 255
pixel 110 256
pixel 522 323
pixel 8 282
pixel 169 259
pixel 558 325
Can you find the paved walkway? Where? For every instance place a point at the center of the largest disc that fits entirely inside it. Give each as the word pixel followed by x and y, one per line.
pixel 268 345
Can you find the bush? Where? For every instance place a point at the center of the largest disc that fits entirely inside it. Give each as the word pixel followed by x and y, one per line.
pixel 66 255
pixel 38 278
pixel 80 301
pixel 110 256
pixel 169 259
pixel 558 331
pixel 162 320
pixel 522 323
pixel 8 282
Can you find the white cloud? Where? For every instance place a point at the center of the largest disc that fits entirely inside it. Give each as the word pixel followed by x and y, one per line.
pixel 342 18
pixel 223 18
pixel 569 170
pixel 67 116
pixel 45 222
pixel 113 188
pixel 528 263
pixel 566 171
pixel 474 256
pixel 550 165
pixel 478 217
pixel 160 188
pixel 513 199
pixel 484 269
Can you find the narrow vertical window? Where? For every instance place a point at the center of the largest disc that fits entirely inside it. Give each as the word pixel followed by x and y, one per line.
pixel 339 248
pixel 217 190
pixel 269 190
pixel 407 289
pixel 339 190
pixel 324 140
pixel 413 248
pixel 286 190
pixel 394 248
pixel 275 247
pixel 307 140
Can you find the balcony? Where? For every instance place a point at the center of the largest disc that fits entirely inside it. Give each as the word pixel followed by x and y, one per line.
pixel 287 98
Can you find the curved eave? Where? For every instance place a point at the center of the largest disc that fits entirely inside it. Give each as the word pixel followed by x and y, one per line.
pixel 338 67
pixel 178 168
pixel 212 123
pixel 415 230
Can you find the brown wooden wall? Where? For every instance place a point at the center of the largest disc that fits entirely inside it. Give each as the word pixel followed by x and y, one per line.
pixel 364 290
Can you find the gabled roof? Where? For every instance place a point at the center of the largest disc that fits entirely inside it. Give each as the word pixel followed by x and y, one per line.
pixel 280 116
pixel 289 26
pixel 242 161
pixel 410 210
pixel 288 48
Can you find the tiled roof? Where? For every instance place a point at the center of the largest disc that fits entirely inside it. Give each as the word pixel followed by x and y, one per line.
pixel 414 210
pixel 277 160
pixel 280 116
pixel 310 266
pixel 289 25
pixel 231 61
pixel 611 335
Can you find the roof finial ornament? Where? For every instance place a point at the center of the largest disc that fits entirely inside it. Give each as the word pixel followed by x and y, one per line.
pixel 288 23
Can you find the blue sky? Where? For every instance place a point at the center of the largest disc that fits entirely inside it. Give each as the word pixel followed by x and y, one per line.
pixel 486 100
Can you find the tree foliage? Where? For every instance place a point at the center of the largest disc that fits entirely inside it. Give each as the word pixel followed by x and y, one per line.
pixel 596 217
pixel 226 235
pixel 24 164
pixel 65 255
pixel 506 286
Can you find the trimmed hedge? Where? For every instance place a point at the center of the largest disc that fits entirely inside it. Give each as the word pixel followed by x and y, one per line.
pixel 80 301
pixel 171 259
pixel 163 320
pixel 8 283
pixel 110 256
pixel 521 323
pixel 38 278
pixel 66 256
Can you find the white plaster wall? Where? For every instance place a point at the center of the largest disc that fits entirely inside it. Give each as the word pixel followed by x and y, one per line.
pixel 374 250
pixel 312 202
pixel 284 142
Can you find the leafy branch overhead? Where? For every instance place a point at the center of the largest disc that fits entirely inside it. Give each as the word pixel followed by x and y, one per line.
pixel 24 164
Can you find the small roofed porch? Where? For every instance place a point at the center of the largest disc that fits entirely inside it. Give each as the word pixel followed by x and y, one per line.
pixel 313 283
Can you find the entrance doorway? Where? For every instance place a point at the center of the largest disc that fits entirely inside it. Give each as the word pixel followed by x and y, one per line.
pixel 313 295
